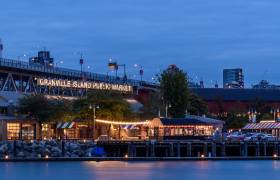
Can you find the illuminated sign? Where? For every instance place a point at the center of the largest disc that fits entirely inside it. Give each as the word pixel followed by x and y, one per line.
pixel 83 85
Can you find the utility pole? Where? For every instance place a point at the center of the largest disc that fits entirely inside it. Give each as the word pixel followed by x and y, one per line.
pixel 93 107
pixel 81 64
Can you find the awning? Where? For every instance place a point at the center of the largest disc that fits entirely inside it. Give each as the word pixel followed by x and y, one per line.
pixel 127 126
pixel 65 125
pixel 258 126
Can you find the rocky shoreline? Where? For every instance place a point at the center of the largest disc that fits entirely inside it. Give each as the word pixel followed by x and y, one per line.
pixel 47 148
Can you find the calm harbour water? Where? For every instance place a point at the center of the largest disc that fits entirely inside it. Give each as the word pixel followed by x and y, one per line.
pixel 199 170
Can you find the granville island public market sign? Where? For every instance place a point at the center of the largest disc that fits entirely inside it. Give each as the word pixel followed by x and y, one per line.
pixel 83 85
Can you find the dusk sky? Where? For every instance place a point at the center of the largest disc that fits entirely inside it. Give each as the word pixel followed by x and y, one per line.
pixel 200 36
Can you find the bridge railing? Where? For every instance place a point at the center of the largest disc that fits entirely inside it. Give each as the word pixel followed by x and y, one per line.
pixel 68 72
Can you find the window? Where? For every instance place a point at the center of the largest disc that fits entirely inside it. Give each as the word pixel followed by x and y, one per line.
pixel 27 131
pixel 13 130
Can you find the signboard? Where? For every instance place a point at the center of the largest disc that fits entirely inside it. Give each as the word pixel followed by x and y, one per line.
pixel 84 85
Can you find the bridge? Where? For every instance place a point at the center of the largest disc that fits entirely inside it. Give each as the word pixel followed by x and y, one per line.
pixel 20 76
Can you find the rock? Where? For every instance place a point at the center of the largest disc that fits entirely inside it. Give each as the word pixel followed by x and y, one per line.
pixel 19 144
pixel 52 142
pixel 55 152
pixel 46 151
pixel 20 154
pixel 73 146
pixel 42 144
pixel 3 148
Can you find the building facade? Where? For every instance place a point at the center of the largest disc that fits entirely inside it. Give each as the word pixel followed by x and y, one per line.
pixel 233 78
pixel 190 127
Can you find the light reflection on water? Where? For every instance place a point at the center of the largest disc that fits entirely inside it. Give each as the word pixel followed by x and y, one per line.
pixel 199 170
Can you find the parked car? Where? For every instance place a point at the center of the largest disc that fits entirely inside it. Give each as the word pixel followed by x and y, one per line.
pixel 269 137
pixel 235 136
pixel 260 137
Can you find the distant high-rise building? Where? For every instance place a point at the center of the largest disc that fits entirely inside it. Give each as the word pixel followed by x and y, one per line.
pixel 43 58
pixel 233 78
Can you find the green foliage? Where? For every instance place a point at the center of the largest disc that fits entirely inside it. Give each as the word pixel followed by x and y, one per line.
pixel 152 105
pixel 235 120
pixel 112 106
pixel 42 109
pixel 196 105
pixel 174 90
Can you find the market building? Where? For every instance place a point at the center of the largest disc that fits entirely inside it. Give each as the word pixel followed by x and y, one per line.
pixel 268 127
pixel 190 127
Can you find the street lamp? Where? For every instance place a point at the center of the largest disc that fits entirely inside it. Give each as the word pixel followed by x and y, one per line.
pixel 167 105
pixel 60 62
pixel 252 115
pixel 275 112
pixel 93 107
pixel 115 66
pixel 21 56
pixel 141 71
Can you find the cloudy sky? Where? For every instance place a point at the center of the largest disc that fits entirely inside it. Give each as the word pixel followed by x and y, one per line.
pixel 200 36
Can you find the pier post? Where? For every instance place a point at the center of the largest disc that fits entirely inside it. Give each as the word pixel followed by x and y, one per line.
pixel 63 148
pixel 178 149
pixel 257 149
pixel 276 149
pixel 119 152
pixel 128 150
pixel 147 149
pixel 189 149
pixel 223 149
pixel 134 151
pixel 171 149
pixel 264 149
pixel 15 148
pixel 245 149
pixel 241 149
pixel 214 149
pixel 205 149
pixel 153 150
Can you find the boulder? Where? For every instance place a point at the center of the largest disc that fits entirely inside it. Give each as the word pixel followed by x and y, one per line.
pixel 3 148
pixel 20 154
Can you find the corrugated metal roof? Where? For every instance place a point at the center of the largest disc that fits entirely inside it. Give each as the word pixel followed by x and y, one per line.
pixel 265 125
pixel 213 94
pixel 190 120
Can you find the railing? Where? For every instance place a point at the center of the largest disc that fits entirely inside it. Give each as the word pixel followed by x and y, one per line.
pixel 70 72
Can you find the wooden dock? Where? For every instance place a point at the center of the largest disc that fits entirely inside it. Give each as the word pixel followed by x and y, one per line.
pixel 190 149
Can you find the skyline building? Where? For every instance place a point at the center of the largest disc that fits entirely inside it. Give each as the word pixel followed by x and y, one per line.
pixel 233 78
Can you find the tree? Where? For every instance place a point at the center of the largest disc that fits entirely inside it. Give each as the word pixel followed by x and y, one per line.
pixel 152 105
pixel 235 120
pixel 44 110
pixel 112 106
pixel 196 105
pixel 174 90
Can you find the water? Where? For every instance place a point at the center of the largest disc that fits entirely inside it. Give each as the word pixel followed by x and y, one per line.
pixel 198 170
